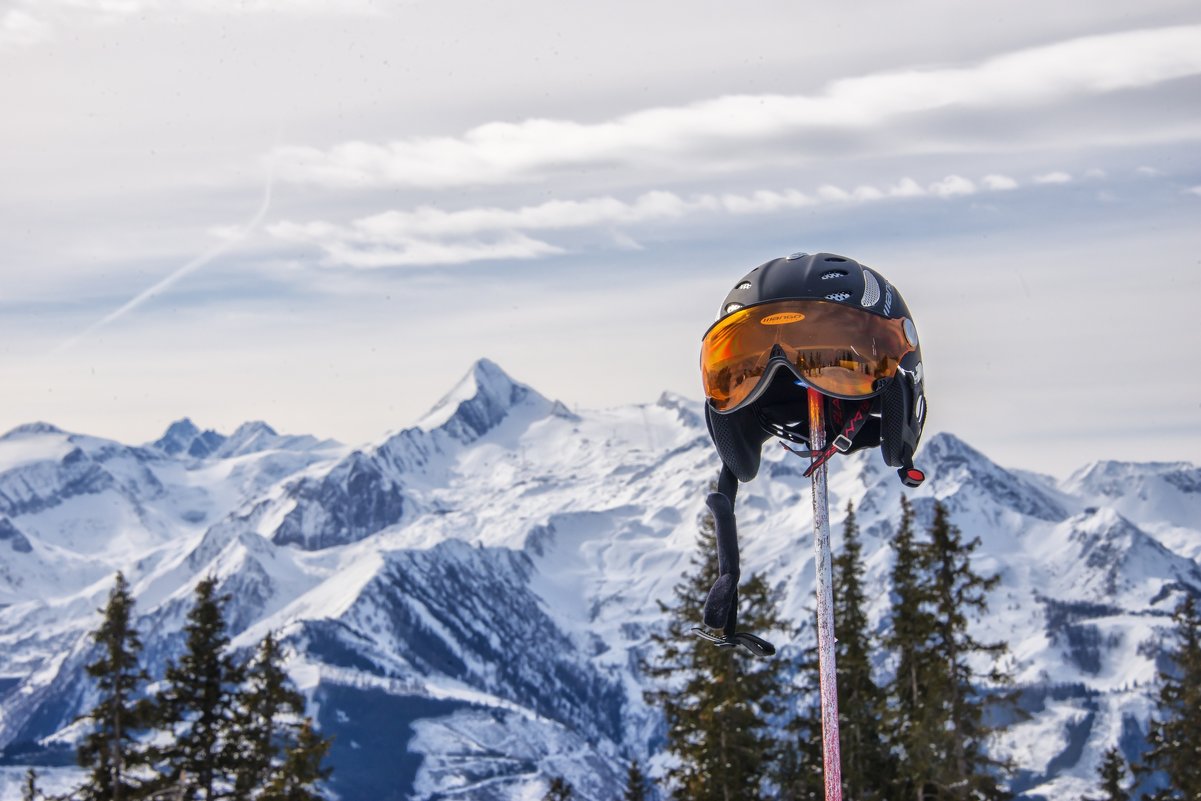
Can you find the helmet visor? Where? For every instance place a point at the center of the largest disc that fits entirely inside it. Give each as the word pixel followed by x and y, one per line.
pixel 842 351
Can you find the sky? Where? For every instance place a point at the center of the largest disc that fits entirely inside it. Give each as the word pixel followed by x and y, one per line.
pixel 320 213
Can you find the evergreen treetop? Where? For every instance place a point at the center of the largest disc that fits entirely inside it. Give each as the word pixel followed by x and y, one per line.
pixel 866 759
pixel 635 783
pixel 197 706
pixel 936 721
pixel 718 703
pixel 29 789
pixel 959 595
pixel 266 718
pixel 1174 739
pixel 297 778
pixel 798 772
pixel 559 790
pixel 1112 773
pixel 909 637
pixel 111 751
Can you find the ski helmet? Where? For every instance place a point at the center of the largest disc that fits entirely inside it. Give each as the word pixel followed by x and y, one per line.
pixel 819 320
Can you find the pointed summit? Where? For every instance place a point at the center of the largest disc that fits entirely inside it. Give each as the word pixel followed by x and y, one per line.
pixel 480 400
pixel 183 437
pixel 952 464
pixel 249 437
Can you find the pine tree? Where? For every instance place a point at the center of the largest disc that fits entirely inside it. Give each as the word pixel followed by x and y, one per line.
pixel 30 790
pixel 635 783
pixel 267 705
pixel 866 760
pixel 719 701
pixel 798 772
pixel 909 720
pixel 560 790
pixel 965 770
pixel 197 706
pixel 1174 739
pixel 1113 775
pixel 936 714
pixel 111 751
pixel 297 778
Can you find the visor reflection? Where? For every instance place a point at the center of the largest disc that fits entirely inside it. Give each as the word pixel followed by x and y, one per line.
pixel 838 349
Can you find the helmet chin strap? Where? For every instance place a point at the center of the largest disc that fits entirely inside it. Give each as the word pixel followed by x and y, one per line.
pixel 721 606
pixel 851 416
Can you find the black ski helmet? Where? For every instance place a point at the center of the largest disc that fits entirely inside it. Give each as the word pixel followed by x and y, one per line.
pixel 778 406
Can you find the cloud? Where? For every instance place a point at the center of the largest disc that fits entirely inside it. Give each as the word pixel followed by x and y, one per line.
pixel 673 137
pixel 999 183
pixel 1148 172
pixel 402 251
pixel 428 235
pixel 1193 190
pixel 1057 177
pixel 907 187
pixel 953 185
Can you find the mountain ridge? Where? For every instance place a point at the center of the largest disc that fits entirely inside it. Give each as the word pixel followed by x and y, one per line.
pixel 498 567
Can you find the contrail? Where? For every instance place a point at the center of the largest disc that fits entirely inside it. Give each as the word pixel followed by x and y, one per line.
pixel 190 267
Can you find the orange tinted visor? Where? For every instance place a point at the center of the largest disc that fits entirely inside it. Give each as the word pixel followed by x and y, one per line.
pixel 840 350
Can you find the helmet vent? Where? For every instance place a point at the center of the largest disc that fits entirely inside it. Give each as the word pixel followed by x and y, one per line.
pixel 838 296
pixel 834 274
pixel 744 285
pixel 732 307
pixel 834 258
pixel 871 289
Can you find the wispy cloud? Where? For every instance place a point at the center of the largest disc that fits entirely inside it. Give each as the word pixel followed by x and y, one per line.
pixel 1057 177
pixel 999 183
pixel 1193 190
pixel 428 235
pixel 673 137
pixel 952 186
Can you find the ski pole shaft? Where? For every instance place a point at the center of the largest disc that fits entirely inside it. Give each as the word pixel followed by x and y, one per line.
pixel 831 756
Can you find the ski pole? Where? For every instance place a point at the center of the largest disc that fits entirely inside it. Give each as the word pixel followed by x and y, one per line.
pixel 831 757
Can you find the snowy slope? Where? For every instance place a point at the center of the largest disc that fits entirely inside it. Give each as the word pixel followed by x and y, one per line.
pixel 467 600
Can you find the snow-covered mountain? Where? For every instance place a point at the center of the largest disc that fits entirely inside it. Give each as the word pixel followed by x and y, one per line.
pixel 466 602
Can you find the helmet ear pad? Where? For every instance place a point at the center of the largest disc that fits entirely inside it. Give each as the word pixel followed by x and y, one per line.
pixel 738 437
pixel 900 427
pixel 895 406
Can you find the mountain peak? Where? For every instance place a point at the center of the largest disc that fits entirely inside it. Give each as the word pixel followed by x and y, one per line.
pixel 254 428
pixel 952 462
pixel 1115 478
pixel 945 444
pixel 183 437
pixel 183 427
pixel 250 437
pixel 30 429
pixel 483 396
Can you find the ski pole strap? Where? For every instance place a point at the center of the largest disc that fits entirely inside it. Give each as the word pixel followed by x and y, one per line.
pixel 842 442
